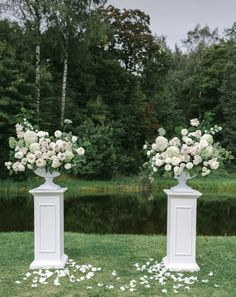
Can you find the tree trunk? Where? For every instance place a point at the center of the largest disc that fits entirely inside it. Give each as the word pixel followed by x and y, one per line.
pixel 64 81
pixel 37 79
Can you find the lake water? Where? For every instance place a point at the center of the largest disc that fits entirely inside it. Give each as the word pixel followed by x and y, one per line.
pixel 142 213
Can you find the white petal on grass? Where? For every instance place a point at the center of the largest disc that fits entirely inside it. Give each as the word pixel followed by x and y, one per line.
pixel 164 291
pixel 100 284
pixel 216 286
pixel 205 281
pixel 122 288
pixel 18 282
pixel 114 273
pixel 89 287
pixel 34 285
pixel 210 273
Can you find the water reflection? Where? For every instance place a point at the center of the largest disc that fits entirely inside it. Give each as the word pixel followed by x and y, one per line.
pixel 143 213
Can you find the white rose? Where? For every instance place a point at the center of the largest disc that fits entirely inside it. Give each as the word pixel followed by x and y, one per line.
pixel 61 156
pixel 74 139
pixel 161 131
pixel 30 158
pixel 38 154
pixel 40 162
pixel 178 170
pixel 175 161
pixel 19 155
pixel 168 167
pixel 184 132
pixel 185 158
pixel 187 140
pixel 15 166
pixel 197 160
pixel 185 150
pixel 58 134
pixel 204 169
pixel 203 143
pixel 175 141
pixel 194 122
pixel 148 153
pixel 208 138
pixel 80 151
pixel 21 167
pixel 145 147
pixel 24 161
pixel 67 166
pixel 168 160
pixel 173 151
pixel 34 147
pixel 56 163
pixel 159 162
pixel 189 165
pixel 162 143
pixel 52 145
pixel 41 134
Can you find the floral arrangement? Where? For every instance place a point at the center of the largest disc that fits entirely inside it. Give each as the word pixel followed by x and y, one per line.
pixel 192 151
pixel 33 149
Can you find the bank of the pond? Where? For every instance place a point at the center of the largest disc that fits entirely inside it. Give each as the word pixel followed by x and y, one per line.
pixel 225 184
pixel 117 252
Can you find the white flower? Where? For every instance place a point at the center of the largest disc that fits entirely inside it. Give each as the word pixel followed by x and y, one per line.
pixel 168 167
pixel 38 154
pixel 61 156
pixel 187 140
pixel 175 161
pixel 145 147
pixel 42 134
pixel 40 162
pixel 197 160
pixel 178 170
pixel 185 158
pixel 184 132
pixel 172 151
pixel 24 161
pixel 58 134
pixel 208 151
pixel 161 131
pixel 159 162
pixel 203 143
pixel 154 146
pixel 52 145
pixel 30 137
pixel 56 163
pixel 19 155
pixel 148 153
pixel 208 138
pixel 162 143
pixel 67 121
pixel 175 141
pixel 189 165
pixel 214 164
pixel 74 139
pixel 80 151
pixel 67 166
pixel 30 158
pixel 21 167
pixel 194 122
pixel 15 166
pixel 168 160
pixel 34 147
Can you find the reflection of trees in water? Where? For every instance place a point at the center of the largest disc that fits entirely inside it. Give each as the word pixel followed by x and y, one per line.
pixel 142 213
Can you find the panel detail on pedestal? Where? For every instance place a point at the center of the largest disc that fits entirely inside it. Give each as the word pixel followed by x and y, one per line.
pixel 47 223
pixel 183 231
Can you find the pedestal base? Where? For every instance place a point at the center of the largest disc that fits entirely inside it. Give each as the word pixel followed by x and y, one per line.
pixel 50 264
pixel 180 267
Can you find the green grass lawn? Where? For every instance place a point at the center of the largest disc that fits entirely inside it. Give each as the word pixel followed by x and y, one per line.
pixel 117 252
pixel 221 184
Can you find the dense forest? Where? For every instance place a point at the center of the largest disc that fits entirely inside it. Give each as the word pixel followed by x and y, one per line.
pixel 103 68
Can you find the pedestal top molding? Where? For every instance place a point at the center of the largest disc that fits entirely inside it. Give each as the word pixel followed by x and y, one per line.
pixel 48 191
pixel 192 194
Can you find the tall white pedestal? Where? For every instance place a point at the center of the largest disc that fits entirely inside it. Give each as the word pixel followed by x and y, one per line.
pixel 181 231
pixel 48 228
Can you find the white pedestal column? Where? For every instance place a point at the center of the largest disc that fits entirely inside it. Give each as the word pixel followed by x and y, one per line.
pixel 181 231
pixel 48 228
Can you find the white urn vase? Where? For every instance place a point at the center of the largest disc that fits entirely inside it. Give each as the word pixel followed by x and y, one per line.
pixel 181 226
pixel 48 176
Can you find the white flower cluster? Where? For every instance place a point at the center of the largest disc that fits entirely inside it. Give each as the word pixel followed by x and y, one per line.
pixel 192 151
pixel 36 149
